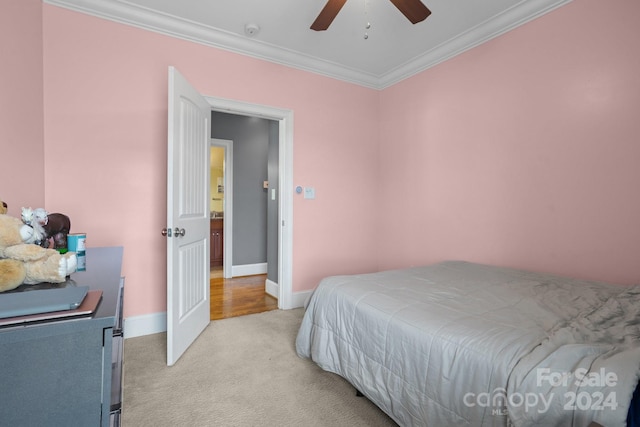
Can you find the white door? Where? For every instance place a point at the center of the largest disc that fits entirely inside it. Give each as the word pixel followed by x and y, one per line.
pixel 187 216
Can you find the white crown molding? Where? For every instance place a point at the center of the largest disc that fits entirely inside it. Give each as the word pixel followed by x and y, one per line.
pixel 508 20
pixel 126 13
pixel 136 16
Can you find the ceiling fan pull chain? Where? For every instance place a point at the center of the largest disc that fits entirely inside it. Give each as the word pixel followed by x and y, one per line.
pixel 366 18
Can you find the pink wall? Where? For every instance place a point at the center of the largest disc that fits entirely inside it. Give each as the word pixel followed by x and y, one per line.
pixel 106 133
pixel 21 131
pixel 523 151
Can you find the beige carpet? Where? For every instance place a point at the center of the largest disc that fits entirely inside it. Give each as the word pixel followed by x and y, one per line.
pixel 242 371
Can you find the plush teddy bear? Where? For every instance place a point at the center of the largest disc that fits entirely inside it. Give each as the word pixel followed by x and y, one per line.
pixel 29 263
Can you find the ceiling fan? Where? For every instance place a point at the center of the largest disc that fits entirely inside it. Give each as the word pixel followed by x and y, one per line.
pixel 414 10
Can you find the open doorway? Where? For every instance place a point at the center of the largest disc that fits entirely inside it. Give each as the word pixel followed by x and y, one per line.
pixel 217 207
pixel 255 212
pixel 229 296
pixel 283 187
pixel 221 206
pixel 244 183
pixel 187 207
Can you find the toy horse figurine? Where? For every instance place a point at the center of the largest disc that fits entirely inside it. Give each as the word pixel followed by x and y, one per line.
pixel 47 226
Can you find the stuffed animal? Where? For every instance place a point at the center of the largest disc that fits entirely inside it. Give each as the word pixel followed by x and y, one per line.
pixel 58 227
pixel 47 226
pixel 28 263
pixel 36 218
pixel 3 207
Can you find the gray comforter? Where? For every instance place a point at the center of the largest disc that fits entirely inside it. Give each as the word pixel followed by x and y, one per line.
pixel 466 344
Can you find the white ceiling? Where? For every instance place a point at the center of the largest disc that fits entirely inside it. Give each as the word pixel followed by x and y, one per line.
pixel 394 50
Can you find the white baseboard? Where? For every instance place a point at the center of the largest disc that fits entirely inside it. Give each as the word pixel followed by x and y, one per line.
pixel 299 299
pixel 272 288
pixel 155 323
pixel 249 269
pixel 146 324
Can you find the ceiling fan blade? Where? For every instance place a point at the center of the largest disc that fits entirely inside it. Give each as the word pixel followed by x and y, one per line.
pixel 414 10
pixel 327 15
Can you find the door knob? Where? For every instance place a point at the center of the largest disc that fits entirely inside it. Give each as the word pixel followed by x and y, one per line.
pixel 178 232
pixel 166 232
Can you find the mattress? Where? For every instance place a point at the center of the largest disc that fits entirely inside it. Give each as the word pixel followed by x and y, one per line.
pixel 458 343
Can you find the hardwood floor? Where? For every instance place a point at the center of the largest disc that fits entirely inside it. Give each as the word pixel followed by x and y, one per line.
pixel 238 296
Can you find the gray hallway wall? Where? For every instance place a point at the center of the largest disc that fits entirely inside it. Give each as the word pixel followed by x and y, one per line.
pixel 251 138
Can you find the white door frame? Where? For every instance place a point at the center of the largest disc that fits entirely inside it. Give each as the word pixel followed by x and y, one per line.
pixel 285 185
pixel 227 232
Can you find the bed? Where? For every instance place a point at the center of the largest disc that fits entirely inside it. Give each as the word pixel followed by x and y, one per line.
pixel 464 344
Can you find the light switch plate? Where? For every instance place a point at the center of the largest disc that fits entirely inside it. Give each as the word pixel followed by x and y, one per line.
pixel 309 193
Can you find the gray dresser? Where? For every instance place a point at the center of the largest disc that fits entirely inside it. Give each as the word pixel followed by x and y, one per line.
pixel 68 371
